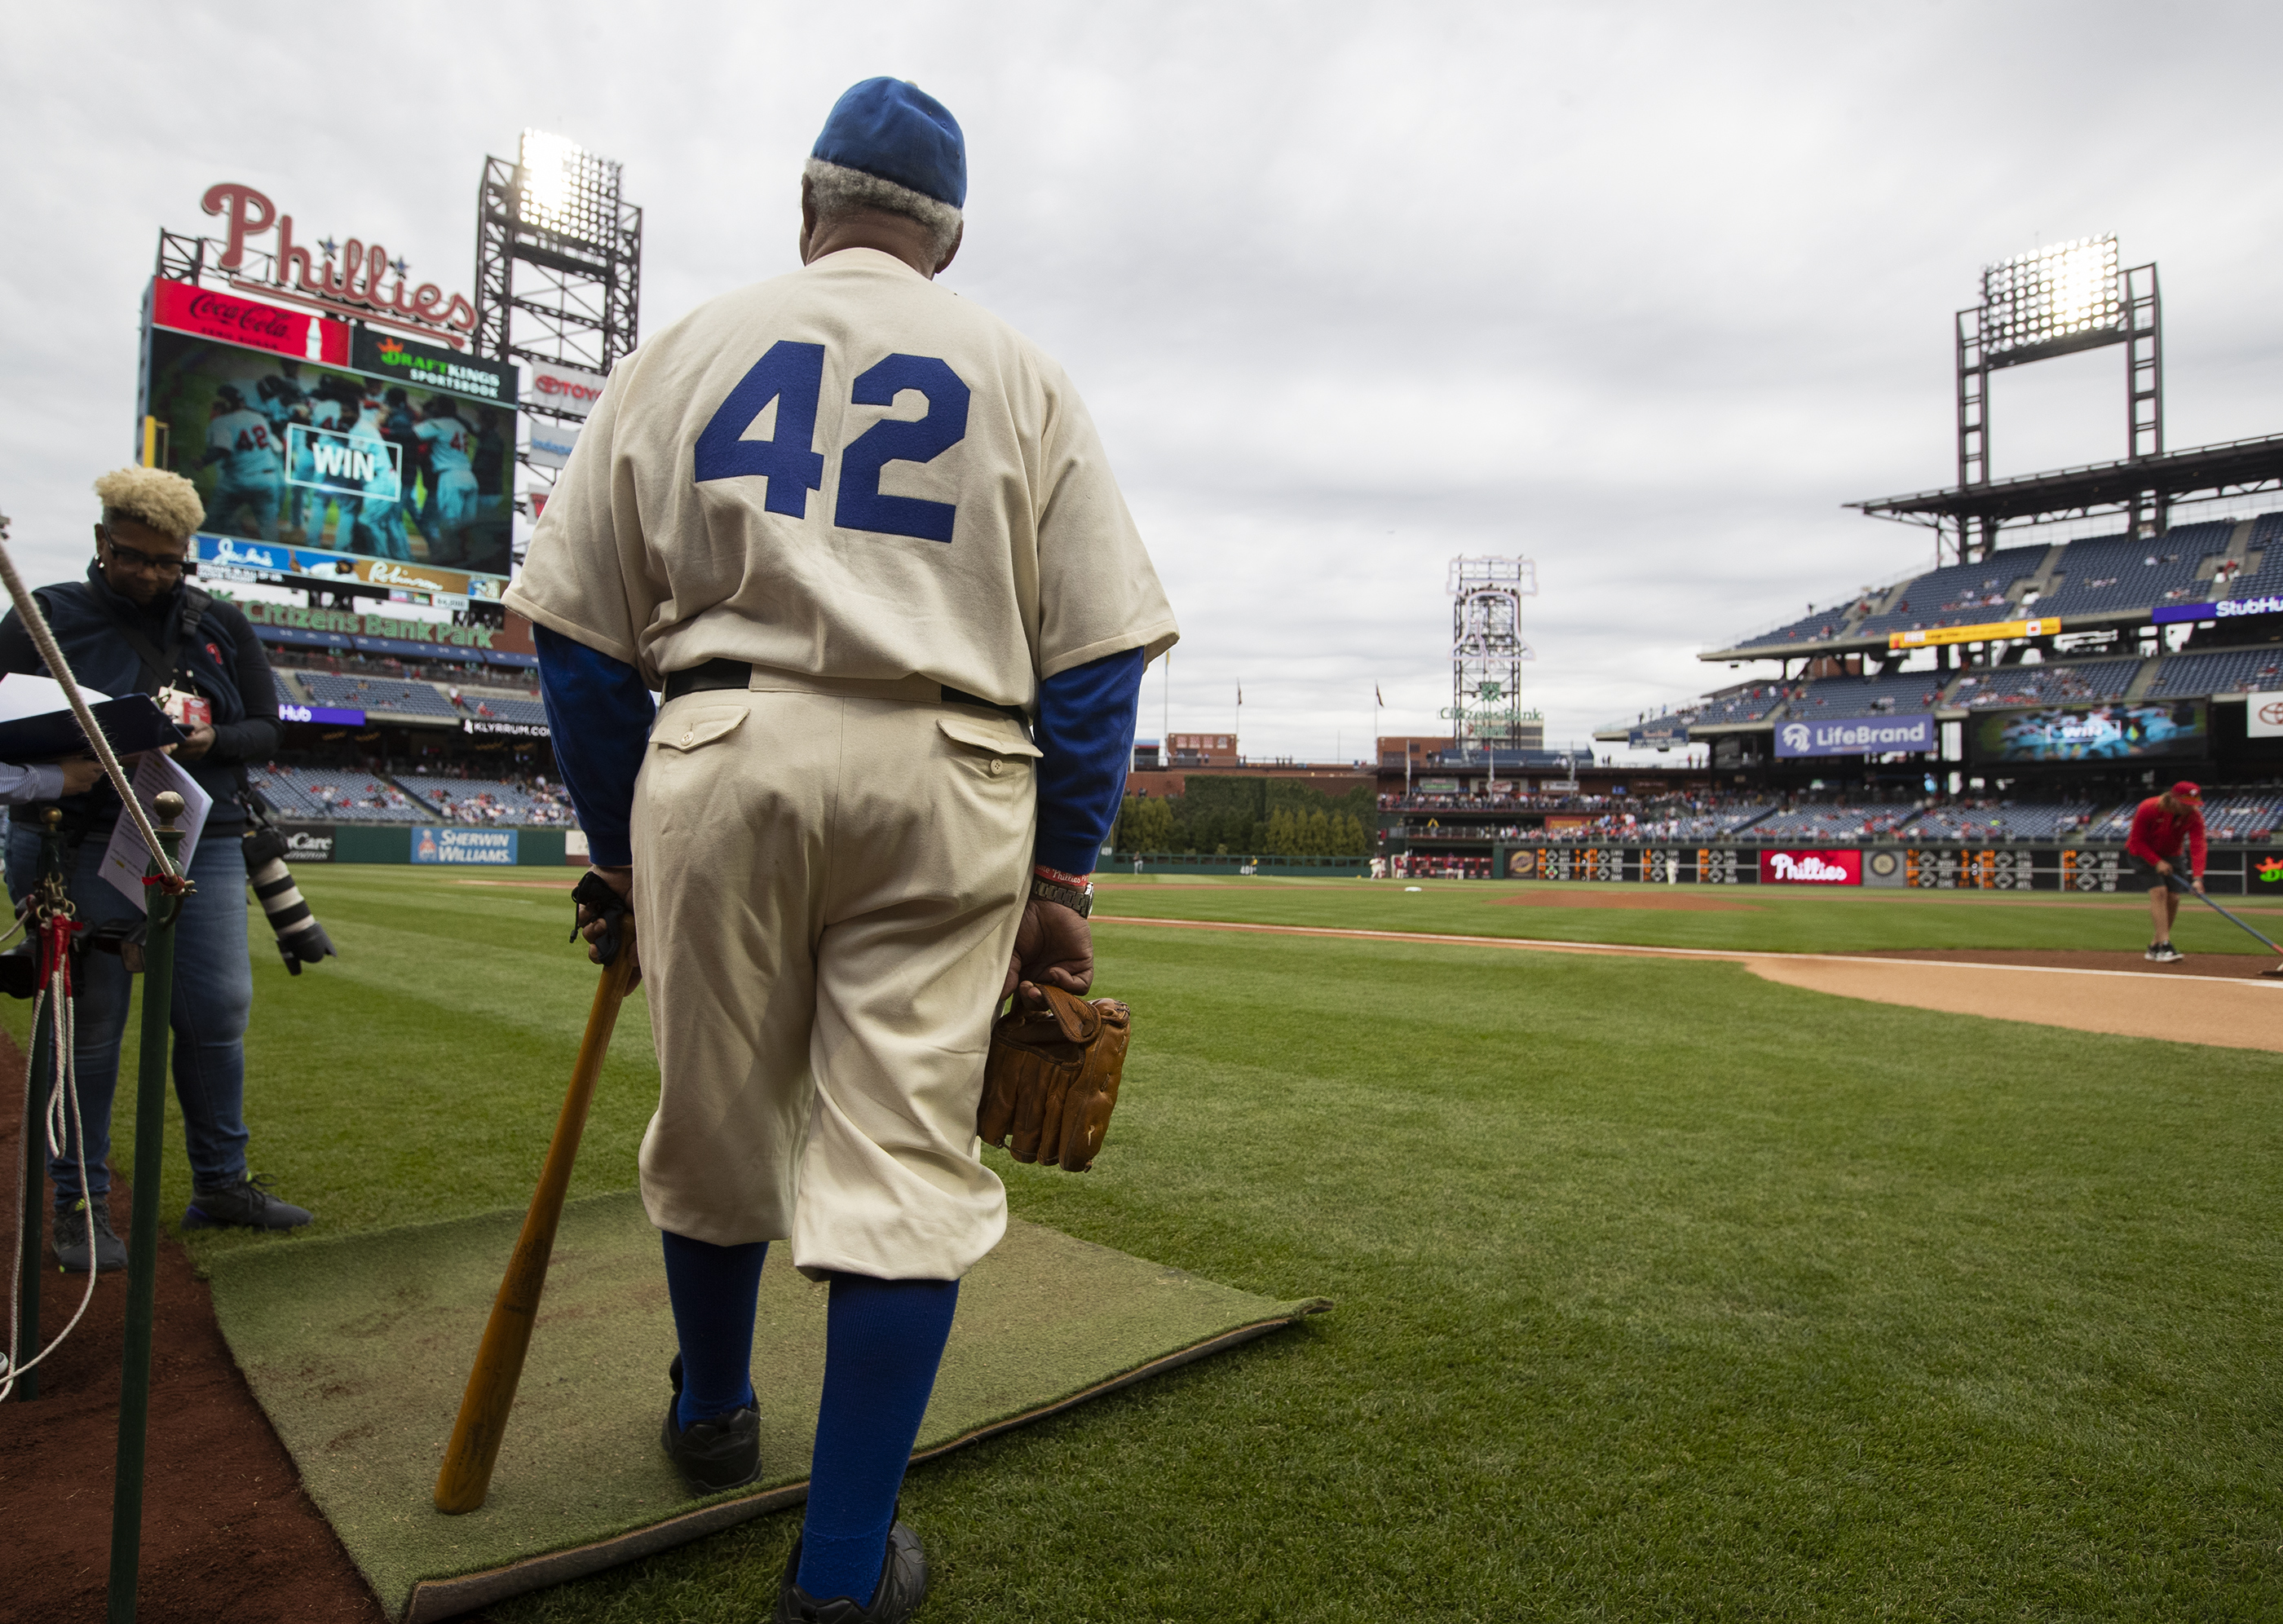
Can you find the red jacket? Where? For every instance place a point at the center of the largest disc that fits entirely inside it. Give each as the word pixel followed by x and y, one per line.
pixel 2157 833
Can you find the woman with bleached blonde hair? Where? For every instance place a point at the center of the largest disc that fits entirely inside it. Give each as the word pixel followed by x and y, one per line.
pixel 135 625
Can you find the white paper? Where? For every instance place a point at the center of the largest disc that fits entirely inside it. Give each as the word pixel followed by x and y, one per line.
pixel 23 696
pixel 126 859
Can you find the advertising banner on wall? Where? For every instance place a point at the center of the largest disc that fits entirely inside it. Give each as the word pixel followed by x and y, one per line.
pixel 1988 632
pixel 552 443
pixel 2094 732
pixel 1857 735
pixel 1812 867
pixel 324 716
pixel 310 842
pixel 2227 609
pixel 495 847
pixel 401 635
pixel 2263 716
pixel 188 308
pixel 430 366
pixel 557 388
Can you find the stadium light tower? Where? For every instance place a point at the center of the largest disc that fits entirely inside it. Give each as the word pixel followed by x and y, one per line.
pixel 558 271
pixel 2055 301
pixel 1487 649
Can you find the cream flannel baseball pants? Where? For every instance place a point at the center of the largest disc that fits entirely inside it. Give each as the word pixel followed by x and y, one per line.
pixel 828 877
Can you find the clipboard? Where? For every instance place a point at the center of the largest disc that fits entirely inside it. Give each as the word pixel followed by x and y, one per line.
pixel 36 723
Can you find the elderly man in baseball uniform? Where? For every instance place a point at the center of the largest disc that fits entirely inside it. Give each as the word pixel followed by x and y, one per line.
pixel 863 537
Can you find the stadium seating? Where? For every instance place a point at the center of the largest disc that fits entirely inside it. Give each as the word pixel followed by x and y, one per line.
pixel 333 795
pixel 1745 704
pixel 1830 698
pixel 2061 682
pixel 1959 595
pixel 2038 821
pixel 501 707
pixel 2109 574
pixel 1817 625
pixel 1819 823
pixel 482 800
pixel 2249 815
pixel 376 694
pixel 2222 671
pixel 2267 541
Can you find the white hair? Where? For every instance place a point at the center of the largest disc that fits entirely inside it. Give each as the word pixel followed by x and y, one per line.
pixel 840 189
pixel 166 502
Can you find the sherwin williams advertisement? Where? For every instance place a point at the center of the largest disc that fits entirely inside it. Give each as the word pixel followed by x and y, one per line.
pixel 1857 735
pixel 2094 733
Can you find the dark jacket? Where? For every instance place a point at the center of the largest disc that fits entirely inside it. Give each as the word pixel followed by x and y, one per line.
pixel 214 651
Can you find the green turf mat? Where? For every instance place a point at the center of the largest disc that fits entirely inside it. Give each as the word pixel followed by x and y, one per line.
pixel 358 1350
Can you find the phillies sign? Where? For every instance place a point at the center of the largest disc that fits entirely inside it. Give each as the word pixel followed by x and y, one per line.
pixel 1811 868
pixel 347 280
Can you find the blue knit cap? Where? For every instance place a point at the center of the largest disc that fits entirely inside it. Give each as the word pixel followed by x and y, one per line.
pixel 892 129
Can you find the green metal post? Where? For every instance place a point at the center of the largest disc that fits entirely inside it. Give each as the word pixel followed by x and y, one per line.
pixel 38 1070
pixel 143 1235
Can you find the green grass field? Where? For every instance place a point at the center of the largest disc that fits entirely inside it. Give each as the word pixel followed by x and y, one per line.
pixel 1665 1291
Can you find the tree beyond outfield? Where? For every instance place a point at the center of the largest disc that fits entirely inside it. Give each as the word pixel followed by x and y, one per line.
pixel 1280 816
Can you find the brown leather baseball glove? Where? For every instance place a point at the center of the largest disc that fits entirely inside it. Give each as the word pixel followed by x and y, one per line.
pixel 1051 1080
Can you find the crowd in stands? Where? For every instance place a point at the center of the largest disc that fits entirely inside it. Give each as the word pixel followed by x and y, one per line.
pixel 2249 815
pixel 347 795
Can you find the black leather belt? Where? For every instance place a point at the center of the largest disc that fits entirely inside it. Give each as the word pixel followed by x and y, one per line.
pixel 715 675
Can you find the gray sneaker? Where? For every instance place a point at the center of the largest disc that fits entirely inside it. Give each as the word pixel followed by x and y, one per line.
pixel 83 1227
pixel 246 1204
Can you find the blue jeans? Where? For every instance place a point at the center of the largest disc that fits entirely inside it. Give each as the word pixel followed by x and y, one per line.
pixel 214 991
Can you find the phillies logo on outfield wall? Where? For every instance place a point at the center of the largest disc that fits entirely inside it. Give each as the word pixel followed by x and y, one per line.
pixel 1811 868
pixel 1857 735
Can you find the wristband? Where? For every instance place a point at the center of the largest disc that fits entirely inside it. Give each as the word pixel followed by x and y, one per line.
pixel 1056 876
pixel 1078 901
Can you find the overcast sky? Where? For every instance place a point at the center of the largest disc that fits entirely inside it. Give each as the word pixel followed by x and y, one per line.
pixel 1642 293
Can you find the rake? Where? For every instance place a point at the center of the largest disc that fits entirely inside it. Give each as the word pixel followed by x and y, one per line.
pixel 2275 973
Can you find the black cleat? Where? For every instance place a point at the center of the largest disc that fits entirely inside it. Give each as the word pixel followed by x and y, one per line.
pixel 72 1234
pixel 903 1587
pixel 246 1204
pixel 724 1452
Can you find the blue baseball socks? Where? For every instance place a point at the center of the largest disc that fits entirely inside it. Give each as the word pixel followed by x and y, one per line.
pixel 883 1342
pixel 714 1290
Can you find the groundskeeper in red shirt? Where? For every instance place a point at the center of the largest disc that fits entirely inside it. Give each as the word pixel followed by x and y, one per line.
pixel 2165 823
pixel 2159 827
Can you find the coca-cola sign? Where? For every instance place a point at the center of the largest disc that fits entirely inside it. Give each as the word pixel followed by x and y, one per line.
pixel 1811 868
pixel 349 278
pixel 187 308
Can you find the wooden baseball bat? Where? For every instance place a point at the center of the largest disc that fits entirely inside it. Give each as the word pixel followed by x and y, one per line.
pixel 465 1478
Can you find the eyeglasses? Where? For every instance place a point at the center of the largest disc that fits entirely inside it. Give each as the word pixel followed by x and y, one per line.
pixel 136 558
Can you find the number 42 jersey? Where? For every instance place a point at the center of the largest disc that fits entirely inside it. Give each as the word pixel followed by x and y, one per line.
pixel 846 472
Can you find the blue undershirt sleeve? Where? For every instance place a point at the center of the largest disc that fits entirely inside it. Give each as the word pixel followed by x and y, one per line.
pixel 1086 735
pixel 598 719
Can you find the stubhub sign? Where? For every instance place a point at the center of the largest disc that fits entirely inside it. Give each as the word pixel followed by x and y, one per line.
pixel 1857 735
pixel 453 845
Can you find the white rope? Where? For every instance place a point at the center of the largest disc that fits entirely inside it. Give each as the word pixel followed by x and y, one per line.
pixel 28 610
pixel 63 1017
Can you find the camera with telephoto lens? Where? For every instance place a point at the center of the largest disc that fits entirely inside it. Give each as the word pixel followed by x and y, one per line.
pixel 300 938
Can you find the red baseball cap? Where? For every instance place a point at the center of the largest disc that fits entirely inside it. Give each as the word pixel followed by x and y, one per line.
pixel 2192 794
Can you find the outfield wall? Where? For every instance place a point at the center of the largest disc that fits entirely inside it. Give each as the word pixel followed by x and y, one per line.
pixel 2231 871
pixel 426 845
